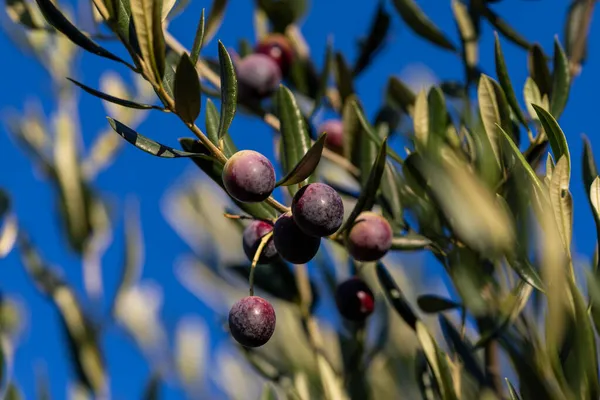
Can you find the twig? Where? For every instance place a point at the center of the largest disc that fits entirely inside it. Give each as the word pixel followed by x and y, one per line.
pixel 270 119
pixel 261 246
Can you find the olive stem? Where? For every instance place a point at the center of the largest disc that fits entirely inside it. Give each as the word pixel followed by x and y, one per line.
pixel 261 246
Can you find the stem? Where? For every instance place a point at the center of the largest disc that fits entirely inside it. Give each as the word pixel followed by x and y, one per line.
pixel 261 246
pixel 492 366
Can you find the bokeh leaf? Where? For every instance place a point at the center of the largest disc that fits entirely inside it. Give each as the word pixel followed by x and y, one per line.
pixel 146 15
pixel 504 78
pixel 433 304
pixel 395 297
pixel 556 137
pixel 215 19
pixel 372 44
pixel 505 29
pixel 513 393
pixel 198 40
pixel 561 81
pixel 420 24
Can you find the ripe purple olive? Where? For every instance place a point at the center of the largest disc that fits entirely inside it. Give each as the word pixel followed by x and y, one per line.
pixel 370 237
pixel 252 321
pixel 258 77
pixel 354 300
pixel 335 134
pixel 252 237
pixel 248 176
pixel 318 209
pixel 279 49
pixel 292 244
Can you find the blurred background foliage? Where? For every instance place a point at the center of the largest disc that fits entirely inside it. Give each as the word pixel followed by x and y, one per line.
pixel 486 282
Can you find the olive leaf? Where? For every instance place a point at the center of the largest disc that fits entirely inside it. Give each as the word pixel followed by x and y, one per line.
pixel 411 241
pixel 149 145
pixel 561 81
pixel 306 166
pixel 198 40
pixel 186 89
pixel 556 137
pixel 343 77
pixel 215 19
pixel 323 78
pixel 514 394
pixel 504 78
pixel 147 18
pixel 538 70
pixel 494 110
pixel 589 168
pixel 400 94
pixel 229 91
pixel 505 29
pixel 212 129
pixel 469 37
pixel 419 23
pixel 374 41
pixel 116 100
pixel 56 18
pixel 433 304
pixel 395 297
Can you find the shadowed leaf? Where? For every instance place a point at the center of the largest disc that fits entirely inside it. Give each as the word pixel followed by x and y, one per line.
pixel 556 137
pixel 433 304
pixel 146 15
pixel 463 349
pixel 538 70
pixel 505 29
pixel 212 127
pixel 198 40
pixel 395 297
pixel 374 41
pixel 400 94
pixel 306 166
pixel 506 84
pixel 513 393
pixel 187 90
pixel 215 19
pixel 561 81
pixel 589 168
pixel 343 77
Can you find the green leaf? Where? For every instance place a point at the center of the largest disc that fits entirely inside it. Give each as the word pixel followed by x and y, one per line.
pixel 187 90
pixel 562 201
pixel 214 170
pixel 538 70
pixel 463 349
pixel 81 334
pixel 268 392
pixel 561 80
pixel 343 77
pixel 433 304
pixel 215 19
pixel 469 36
pixel 282 13
pixel 506 84
pixel 395 297
pixel 391 203
pixel 438 361
pixel 149 145
pixel 411 241
pixel 575 18
pixel 148 27
pixel 112 99
pixel 420 24
pixel 437 113
pixel 306 166
pixel 421 121
pixel 20 12
pixel 556 137
pixel 494 110
pixel 212 129
pixel 366 200
pixel 589 168
pixel 294 136
pixel 63 25
pixel 168 80
pixel 505 29
pixel 229 90
pixel 374 41
pixel 198 40
pixel 514 394
pixel 532 95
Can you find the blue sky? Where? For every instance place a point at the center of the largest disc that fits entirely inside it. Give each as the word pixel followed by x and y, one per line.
pixel 147 178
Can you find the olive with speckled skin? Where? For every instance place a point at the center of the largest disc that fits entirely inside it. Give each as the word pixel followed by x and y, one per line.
pixel 354 299
pixel 292 244
pixel 335 134
pixel 258 77
pixel 252 237
pixel 318 209
pixel 370 237
pixel 248 176
pixel 252 321
pixel 279 48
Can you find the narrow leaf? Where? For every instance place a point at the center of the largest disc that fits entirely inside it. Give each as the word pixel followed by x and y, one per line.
pixel 433 304
pixel 142 13
pixel 514 395
pixel 112 99
pixel 229 90
pixel 56 18
pixel 215 19
pixel 373 43
pixel 367 196
pixel 562 202
pixel 505 29
pixel 400 94
pixel 187 90
pixel 556 137
pixel 149 145
pixel 412 241
pixel 420 24
pixel 493 109
pixel 538 70
pixel 158 37
pixel 532 95
pixel 343 77
pixel 561 81
pixel 506 84
pixel 198 40
pixel 395 297
pixel 589 168
pixel 306 166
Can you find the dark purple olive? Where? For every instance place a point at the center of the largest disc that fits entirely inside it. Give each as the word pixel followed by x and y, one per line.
pixel 335 134
pixel 318 209
pixel 279 49
pixel 258 77
pixel 252 321
pixel 370 237
pixel 354 299
pixel 252 237
pixel 292 244
pixel 248 176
